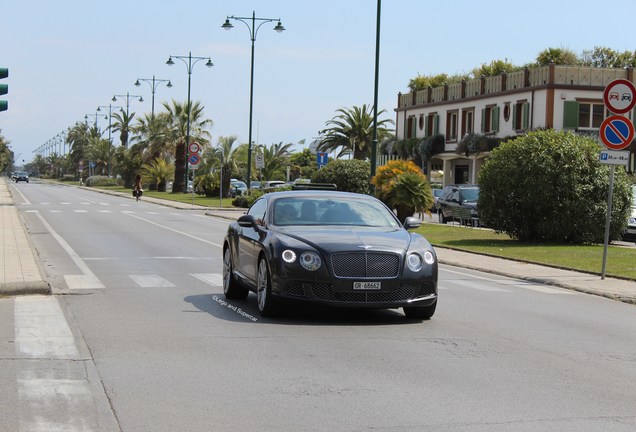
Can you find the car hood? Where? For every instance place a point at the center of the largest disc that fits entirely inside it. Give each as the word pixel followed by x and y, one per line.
pixel 340 239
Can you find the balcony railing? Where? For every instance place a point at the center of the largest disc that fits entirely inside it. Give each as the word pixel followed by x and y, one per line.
pixel 529 77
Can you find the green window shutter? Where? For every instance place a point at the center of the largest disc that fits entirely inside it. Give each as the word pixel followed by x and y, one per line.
pixel 483 120
pixel 570 115
pixel 495 119
pixel 514 117
pixel 525 115
pixel 436 124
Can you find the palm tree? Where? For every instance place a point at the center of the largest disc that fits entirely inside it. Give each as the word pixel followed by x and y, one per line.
pixel 225 155
pixel 78 137
pixel 151 137
pixel 159 171
pixel 100 151
pixel 275 158
pixel 177 132
pixel 122 125
pixel 352 129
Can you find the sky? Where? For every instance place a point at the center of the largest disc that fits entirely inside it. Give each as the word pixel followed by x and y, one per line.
pixel 68 57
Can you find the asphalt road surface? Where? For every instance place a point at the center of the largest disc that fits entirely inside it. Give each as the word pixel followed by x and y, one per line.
pixel 140 338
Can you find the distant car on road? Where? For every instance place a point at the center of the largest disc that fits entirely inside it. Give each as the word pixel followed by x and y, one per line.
pixel 21 176
pixel 331 248
pixel 272 184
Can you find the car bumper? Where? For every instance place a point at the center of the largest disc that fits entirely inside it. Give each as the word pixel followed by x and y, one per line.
pixel 421 293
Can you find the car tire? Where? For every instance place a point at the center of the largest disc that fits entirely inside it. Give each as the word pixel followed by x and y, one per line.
pixel 266 303
pixel 420 312
pixel 231 289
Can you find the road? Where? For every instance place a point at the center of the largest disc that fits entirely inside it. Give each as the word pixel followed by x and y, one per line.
pixel 139 338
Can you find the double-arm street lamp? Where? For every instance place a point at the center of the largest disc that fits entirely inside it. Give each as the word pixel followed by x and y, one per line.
pixel 250 22
pixel 153 83
pixel 127 96
pixel 188 60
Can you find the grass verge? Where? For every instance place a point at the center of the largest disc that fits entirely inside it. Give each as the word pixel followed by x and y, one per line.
pixel 621 261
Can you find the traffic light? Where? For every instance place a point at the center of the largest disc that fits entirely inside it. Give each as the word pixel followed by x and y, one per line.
pixel 4 89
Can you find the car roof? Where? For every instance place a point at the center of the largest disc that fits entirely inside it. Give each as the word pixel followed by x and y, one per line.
pixel 317 194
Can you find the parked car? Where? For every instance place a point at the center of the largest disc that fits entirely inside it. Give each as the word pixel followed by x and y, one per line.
pixel 331 248
pixel 21 176
pixel 437 192
pixel 459 202
pixel 630 232
pixel 239 187
pixel 271 184
pixel 255 184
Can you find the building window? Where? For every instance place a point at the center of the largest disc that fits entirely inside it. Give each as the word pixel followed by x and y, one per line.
pixel 521 115
pixel 451 126
pixel 591 115
pixel 432 125
pixel 490 119
pixel 410 127
pixel 583 114
pixel 468 122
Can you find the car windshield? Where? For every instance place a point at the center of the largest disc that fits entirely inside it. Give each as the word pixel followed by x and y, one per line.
pixel 239 184
pixel 469 195
pixel 332 211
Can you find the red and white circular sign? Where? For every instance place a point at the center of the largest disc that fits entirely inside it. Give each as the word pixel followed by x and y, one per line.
pixel 620 96
pixel 194 147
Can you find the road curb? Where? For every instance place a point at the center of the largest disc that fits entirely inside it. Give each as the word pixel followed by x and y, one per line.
pixel 24 288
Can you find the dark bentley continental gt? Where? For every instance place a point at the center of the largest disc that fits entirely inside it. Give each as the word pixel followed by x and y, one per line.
pixel 332 248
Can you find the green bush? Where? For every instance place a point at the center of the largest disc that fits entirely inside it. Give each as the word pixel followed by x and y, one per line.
pixel 550 187
pixel 207 184
pixel 348 175
pixel 245 201
pixel 101 181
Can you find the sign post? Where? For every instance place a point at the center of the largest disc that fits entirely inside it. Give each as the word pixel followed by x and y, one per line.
pixel 616 133
pixel 193 159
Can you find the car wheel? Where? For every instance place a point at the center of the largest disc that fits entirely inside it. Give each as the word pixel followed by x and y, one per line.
pixel 266 303
pixel 420 312
pixel 231 288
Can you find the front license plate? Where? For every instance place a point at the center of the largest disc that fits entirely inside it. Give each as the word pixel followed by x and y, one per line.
pixel 367 285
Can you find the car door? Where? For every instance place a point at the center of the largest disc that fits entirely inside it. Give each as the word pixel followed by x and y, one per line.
pixel 248 240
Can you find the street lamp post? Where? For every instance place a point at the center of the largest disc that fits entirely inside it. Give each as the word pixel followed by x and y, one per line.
pixel 154 82
pixel 127 96
pixel 374 140
pixel 250 22
pixel 110 124
pixel 189 64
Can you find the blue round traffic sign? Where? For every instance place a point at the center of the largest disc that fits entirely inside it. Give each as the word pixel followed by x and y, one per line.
pixel 617 132
pixel 193 159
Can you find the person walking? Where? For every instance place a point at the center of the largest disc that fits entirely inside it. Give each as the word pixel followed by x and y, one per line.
pixel 137 190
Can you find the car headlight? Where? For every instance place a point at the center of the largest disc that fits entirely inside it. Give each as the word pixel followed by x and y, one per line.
pixel 414 262
pixel 289 256
pixel 310 261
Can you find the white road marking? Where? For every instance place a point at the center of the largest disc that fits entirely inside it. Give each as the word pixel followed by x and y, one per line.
pixel 49 398
pixel 173 230
pixel 24 199
pixel 105 211
pixel 477 286
pixel 41 330
pixel 151 281
pixel 87 280
pixel 214 279
pixel 80 211
pixel 55 211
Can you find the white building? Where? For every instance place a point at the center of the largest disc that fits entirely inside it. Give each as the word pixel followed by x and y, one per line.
pixel 557 97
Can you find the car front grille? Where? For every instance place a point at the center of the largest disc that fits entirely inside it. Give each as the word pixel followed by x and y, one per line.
pixel 365 265
pixel 405 292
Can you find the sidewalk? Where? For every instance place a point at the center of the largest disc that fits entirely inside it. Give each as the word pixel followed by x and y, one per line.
pixel 20 273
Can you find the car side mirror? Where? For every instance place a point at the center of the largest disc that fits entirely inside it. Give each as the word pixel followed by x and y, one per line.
pixel 247 221
pixel 412 222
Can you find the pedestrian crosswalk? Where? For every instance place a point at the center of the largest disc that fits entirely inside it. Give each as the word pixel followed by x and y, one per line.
pixel 88 282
